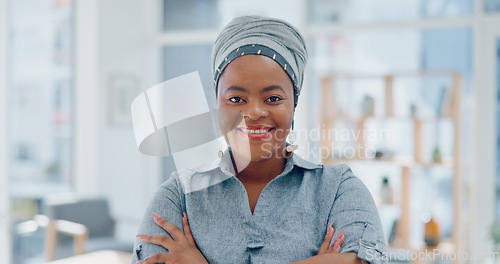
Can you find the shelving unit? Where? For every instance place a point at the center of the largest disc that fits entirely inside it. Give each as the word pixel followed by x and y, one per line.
pixel 330 114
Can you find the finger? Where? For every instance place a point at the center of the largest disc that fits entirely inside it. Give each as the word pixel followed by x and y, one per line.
pixel 341 241
pixel 156 258
pixel 335 248
pixel 187 230
pixel 163 241
pixel 338 242
pixel 172 229
pixel 328 238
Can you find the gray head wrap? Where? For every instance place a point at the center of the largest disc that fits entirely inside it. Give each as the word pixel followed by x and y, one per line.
pixel 273 33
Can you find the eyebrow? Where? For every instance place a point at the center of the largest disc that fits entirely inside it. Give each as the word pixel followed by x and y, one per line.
pixel 271 88
pixel 265 90
pixel 236 88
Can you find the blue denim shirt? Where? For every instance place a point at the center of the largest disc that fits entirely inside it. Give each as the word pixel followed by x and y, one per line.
pixel 289 220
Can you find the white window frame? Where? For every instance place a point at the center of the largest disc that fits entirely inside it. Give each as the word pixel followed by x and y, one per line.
pixel 86 91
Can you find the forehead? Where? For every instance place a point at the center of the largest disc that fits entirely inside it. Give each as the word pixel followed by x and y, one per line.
pixel 254 72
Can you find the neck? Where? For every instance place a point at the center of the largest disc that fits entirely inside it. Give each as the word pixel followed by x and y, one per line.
pixel 257 172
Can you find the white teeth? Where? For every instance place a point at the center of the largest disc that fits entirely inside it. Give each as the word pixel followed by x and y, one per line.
pixel 256 131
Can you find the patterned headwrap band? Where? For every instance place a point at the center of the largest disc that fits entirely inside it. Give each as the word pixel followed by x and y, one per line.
pixel 266 36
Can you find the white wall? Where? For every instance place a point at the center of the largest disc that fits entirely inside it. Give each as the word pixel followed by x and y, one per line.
pixel 484 138
pixel 5 248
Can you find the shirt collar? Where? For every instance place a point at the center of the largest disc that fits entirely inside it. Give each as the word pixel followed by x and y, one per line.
pixel 226 165
pixel 299 161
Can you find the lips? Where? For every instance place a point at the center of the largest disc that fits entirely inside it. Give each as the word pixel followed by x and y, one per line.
pixel 255 132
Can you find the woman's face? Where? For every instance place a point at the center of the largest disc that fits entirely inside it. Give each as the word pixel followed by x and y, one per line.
pixel 256 102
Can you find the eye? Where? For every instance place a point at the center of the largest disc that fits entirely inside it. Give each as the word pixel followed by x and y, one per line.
pixel 274 99
pixel 235 99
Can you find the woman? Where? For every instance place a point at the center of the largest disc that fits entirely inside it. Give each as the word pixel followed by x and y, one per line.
pixel 260 203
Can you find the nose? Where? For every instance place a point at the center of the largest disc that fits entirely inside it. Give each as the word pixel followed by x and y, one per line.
pixel 255 111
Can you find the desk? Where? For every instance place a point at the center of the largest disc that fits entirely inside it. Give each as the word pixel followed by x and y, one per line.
pixel 98 257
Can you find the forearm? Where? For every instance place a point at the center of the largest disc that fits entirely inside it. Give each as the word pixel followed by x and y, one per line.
pixel 332 258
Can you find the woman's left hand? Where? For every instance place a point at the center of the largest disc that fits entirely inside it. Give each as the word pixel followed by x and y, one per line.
pixel 181 249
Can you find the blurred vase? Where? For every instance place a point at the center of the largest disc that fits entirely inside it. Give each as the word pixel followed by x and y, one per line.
pixel 431 237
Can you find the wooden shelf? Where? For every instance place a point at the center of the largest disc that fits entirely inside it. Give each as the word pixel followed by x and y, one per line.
pixel 409 162
pixel 451 112
pixel 392 118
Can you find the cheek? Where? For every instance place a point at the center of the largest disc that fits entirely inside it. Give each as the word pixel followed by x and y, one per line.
pixel 284 116
pixel 284 123
pixel 228 119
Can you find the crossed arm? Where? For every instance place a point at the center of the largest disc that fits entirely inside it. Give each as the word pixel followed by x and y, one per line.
pixel 353 210
pixel 182 246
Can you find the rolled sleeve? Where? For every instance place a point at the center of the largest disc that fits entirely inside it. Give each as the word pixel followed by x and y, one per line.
pixel 355 212
pixel 166 202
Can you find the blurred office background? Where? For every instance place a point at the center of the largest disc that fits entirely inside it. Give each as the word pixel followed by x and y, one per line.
pixel 427 71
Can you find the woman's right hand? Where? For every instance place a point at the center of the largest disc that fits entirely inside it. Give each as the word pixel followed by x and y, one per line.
pixel 335 248
pixel 182 247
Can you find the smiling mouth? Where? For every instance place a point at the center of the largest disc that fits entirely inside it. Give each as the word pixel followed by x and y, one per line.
pixel 255 133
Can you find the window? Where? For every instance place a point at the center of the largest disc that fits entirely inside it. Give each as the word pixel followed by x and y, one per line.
pixel 41 110
pixel 366 11
pixel 492 5
pixel 41 87
pixel 189 15
pixel 182 59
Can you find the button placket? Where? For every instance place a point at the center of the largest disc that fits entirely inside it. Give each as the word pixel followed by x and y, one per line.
pixel 253 234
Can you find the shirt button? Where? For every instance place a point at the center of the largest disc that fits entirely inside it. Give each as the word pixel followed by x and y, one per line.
pixel 255 245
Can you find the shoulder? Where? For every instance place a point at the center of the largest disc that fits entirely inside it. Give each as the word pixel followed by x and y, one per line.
pixel 196 178
pixel 329 175
pixel 338 170
pixel 169 188
pixel 176 183
pixel 337 173
pixel 325 170
pixel 343 179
